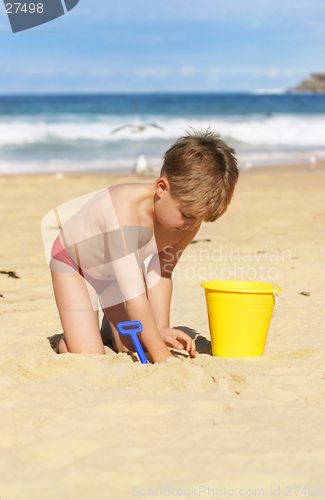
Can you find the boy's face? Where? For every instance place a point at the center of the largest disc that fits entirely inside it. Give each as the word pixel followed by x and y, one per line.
pixel 171 214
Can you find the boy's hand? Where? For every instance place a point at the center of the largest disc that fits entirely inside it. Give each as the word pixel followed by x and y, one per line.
pixel 178 339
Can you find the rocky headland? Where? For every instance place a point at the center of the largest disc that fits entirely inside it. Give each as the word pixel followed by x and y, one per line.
pixel 315 83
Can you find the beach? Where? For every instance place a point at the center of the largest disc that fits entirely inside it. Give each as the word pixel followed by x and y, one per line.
pixel 105 426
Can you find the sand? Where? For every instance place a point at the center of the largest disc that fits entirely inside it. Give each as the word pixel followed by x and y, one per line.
pixel 107 427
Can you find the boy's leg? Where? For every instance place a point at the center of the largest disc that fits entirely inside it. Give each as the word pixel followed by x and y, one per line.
pixel 79 320
pixel 106 331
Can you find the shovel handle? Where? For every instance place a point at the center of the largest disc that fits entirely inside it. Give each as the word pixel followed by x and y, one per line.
pixel 132 329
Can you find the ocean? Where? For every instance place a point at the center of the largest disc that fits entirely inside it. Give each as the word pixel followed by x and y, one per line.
pixel 100 133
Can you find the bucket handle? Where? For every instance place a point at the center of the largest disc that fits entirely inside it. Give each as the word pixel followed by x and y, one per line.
pixel 276 300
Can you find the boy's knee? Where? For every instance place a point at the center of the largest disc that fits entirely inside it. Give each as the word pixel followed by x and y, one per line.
pixel 62 348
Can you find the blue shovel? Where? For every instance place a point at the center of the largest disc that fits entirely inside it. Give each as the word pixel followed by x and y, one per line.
pixel 132 329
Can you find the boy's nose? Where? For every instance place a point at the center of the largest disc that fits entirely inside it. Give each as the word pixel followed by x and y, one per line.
pixel 191 224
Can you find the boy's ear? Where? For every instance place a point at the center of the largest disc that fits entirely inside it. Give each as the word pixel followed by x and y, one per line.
pixel 162 186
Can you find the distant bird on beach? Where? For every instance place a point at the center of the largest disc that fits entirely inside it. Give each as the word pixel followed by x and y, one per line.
pixel 141 166
pixel 247 166
pixel 135 129
pixel 312 162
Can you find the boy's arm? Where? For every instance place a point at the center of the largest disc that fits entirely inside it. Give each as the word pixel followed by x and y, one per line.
pixel 159 296
pixel 132 291
pixel 139 309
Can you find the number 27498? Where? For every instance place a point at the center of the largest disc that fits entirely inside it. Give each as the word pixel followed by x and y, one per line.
pixel 27 8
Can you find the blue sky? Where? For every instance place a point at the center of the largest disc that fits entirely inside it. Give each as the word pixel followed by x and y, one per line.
pixel 171 45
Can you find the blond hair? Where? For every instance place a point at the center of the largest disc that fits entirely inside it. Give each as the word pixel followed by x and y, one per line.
pixel 202 173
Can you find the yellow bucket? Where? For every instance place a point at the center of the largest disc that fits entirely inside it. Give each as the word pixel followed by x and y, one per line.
pixel 239 315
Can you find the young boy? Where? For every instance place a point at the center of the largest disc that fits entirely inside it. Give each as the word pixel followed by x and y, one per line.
pixel 100 252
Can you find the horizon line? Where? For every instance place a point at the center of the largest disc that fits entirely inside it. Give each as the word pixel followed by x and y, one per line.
pixel 152 92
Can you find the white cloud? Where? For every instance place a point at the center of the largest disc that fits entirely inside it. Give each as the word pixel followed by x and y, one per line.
pixel 273 73
pixel 147 73
pixel 255 13
pixel 187 71
pixel 156 73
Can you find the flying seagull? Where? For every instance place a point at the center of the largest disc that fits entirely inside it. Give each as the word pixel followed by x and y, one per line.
pixel 135 129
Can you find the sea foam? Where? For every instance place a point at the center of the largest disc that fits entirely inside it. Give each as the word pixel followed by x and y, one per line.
pixel 283 130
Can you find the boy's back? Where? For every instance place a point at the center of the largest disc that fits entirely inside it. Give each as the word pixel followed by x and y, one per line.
pixel 119 221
